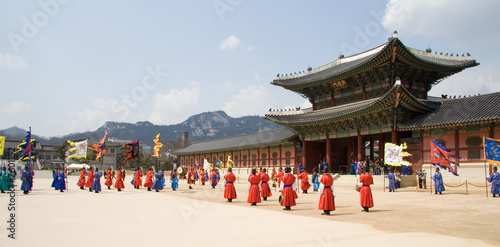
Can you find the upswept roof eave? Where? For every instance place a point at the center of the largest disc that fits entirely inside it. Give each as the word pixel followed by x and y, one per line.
pixel 342 74
pixel 440 61
pixel 375 105
pixel 451 64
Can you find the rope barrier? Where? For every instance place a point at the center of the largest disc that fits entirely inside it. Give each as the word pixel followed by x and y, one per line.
pixel 454 186
pixel 408 185
pixel 480 186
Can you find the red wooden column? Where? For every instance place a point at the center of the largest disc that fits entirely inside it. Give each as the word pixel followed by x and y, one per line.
pixel 329 152
pixel 304 153
pixel 457 144
pixel 371 148
pixel 258 157
pixel 394 137
pixel 279 155
pixel 360 146
pixel 268 156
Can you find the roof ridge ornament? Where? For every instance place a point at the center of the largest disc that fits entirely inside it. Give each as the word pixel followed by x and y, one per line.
pixel 395 34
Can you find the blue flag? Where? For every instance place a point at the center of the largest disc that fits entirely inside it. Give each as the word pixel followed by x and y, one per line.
pixel 492 150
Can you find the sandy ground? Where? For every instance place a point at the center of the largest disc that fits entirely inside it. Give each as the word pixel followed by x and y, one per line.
pixel 202 217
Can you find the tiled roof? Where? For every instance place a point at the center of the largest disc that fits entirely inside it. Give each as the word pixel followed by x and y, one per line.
pixel 346 66
pixel 238 142
pixel 456 111
pixel 344 111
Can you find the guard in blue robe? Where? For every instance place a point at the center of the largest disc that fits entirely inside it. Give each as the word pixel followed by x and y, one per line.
pixel 494 179
pixel 174 182
pixel 157 184
pixel 406 170
pixel 62 182
pixel 163 179
pixel 354 167
pixel 206 175
pixel 3 180
pixel 55 176
pixel 393 186
pixel 438 182
pixel 315 180
pixel 133 178
pixel 26 177
pixel 96 186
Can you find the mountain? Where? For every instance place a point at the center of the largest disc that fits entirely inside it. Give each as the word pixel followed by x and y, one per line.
pixel 201 127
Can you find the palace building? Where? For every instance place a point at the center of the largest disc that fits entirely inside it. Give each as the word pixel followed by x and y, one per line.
pixel 358 104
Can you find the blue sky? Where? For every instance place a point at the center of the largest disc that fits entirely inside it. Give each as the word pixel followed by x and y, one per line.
pixel 69 66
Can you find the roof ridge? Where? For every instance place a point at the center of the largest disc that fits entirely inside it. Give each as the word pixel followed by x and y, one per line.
pixel 340 60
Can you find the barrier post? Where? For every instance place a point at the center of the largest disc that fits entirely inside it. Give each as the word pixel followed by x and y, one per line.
pixel 466 187
pixel 418 182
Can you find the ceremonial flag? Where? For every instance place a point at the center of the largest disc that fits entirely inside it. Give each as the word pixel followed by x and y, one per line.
pixel 27 148
pixel 158 145
pixel 2 144
pixel 101 147
pixel 492 150
pixel 207 165
pixel 196 163
pixel 78 150
pixel 133 153
pixel 441 157
pixel 230 162
pixel 394 154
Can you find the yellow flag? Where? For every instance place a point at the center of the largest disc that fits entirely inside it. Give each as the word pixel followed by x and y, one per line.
pixel 230 162
pixel 2 144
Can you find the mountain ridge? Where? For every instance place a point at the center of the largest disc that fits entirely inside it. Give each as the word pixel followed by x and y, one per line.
pixel 201 127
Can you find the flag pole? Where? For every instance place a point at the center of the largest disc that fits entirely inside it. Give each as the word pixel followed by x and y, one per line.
pixel 485 180
pixel 485 176
pixel 430 178
pixel 383 175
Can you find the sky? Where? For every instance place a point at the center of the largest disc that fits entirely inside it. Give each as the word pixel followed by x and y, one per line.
pixel 69 66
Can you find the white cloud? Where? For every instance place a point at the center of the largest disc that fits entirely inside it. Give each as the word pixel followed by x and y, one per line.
pixel 11 62
pixel 17 108
pixel 453 19
pixel 176 105
pixel 230 43
pixel 252 100
pixel 306 104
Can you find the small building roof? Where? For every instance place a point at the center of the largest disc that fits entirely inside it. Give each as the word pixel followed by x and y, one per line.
pixel 475 109
pixel 239 142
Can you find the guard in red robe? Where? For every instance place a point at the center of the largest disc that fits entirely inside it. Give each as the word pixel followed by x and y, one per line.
pixel 119 180
pixel 109 178
pixel 273 177
pixel 265 190
pixel 191 176
pixel 280 176
pixel 304 182
pixel 365 194
pixel 326 200
pixel 90 179
pixel 138 179
pixel 254 191
pixel 229 190
pixel 81 182
pixel 287 187
pixel 202 176
pixel 149 179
